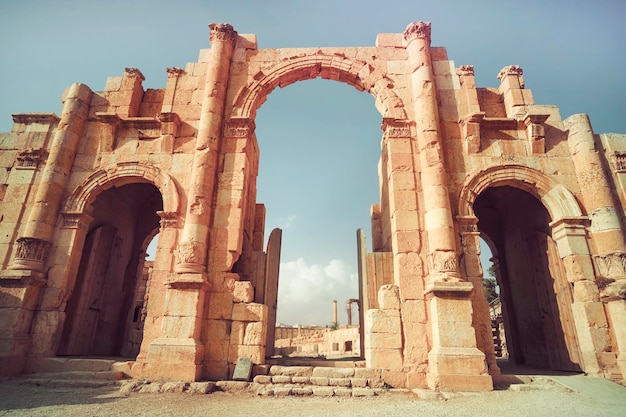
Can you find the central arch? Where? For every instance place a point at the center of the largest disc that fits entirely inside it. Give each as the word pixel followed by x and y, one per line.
pixel 357 73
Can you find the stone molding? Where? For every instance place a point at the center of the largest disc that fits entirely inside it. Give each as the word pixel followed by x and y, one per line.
pixel 169 220
pixel 74 220
pixel 40 118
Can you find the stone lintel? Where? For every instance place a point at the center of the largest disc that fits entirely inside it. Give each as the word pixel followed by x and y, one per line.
pixel 503 123
pixel 41 118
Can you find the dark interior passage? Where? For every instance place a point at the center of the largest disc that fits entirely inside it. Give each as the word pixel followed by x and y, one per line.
pixel 535 294
pixel 105 306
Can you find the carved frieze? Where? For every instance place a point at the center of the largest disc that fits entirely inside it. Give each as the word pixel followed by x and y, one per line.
pixel 443 261
pixel 222 32
pixel 32 249
pixel 417 30
pixel 611 265
pixel 29 158
pixel 393 128
pixel 619 161
pixel 240 127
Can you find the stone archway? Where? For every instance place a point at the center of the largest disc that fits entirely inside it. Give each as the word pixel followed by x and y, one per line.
pixel 239 128
pixel 357 73
pixel 520 211
pixel 110 218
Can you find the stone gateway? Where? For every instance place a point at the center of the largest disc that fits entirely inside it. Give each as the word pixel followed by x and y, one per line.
pixel 82 194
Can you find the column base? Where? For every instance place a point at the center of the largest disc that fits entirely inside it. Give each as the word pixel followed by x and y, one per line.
pixel 174 360
pixel 458 369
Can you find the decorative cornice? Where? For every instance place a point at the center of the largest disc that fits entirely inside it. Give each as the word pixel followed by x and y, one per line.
pixel 417 30
pixel 41 118
pixel 510 70
pixel 222 32
pixel 174 71
pixel 134 72
pixel 465 70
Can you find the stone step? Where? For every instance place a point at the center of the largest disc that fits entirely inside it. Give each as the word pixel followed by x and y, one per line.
pixel 322 377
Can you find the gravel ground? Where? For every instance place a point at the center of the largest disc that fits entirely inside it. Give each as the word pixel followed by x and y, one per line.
pixel 542 397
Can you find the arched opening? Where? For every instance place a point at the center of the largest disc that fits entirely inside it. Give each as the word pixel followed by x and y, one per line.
pixel 318 178
pixel 535 295
pixel 104 315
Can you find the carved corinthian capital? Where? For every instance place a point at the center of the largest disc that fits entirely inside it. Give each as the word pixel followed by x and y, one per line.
pixel 417 30
pixel 510 70
pixel 222 32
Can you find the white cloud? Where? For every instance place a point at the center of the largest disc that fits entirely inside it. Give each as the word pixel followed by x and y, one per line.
pixel 306 292
pixel 288 221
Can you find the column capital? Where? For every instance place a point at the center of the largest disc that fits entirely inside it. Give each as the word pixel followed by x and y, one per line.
pixel 417 30
pixel 134 72
pixel 222 32
pixel 31 253
pixel 511 70
pixel 174 71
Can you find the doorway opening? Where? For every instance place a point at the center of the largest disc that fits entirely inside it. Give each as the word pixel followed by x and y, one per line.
pixel 534 293
pixel 318 178
pixel 105 312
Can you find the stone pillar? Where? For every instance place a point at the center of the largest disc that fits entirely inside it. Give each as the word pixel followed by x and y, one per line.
pixel 512 89
pixel 570 235
pixel 192 247
pixel 607 235
pixel 33 246
pixel 453 337
pixel 335 312
pixel 472 268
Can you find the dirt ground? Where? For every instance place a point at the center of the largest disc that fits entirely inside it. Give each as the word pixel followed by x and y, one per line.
pixel 542 397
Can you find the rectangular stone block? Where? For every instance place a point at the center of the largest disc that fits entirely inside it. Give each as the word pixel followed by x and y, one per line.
pixel 383 358
pixel 382 321
pixel 243 292
pixel 388 297
pixel 220 305
pixel 249 312
pixel 254 333
pixel 383 340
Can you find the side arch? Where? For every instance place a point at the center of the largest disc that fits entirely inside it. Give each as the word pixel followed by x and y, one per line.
pixel 557 199
pixel 357 73
pixel 119 174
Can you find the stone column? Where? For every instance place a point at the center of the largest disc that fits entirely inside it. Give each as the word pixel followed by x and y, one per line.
pixel 34 244
pixel 453 337
pixel 607 235
pixel 192 247
pixel 178 352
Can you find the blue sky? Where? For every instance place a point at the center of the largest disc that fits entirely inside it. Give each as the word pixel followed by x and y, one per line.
pixel 319 140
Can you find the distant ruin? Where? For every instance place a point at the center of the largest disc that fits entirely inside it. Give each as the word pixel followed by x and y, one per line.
pixel 83 193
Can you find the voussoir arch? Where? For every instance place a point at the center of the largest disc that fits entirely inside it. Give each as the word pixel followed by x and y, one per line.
pixel 357 73
pixel 119 174
pixel 557 199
